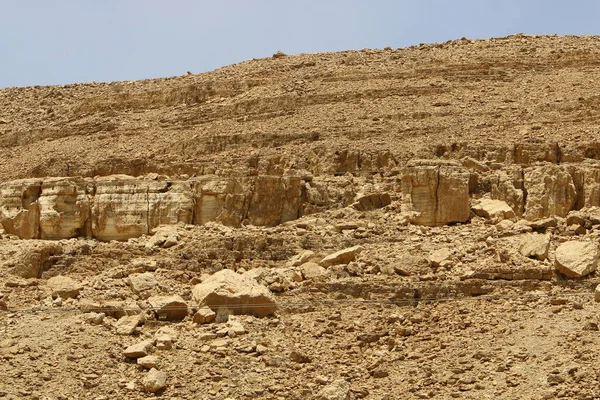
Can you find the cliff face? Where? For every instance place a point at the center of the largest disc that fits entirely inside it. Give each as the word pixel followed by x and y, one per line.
pixel 119 207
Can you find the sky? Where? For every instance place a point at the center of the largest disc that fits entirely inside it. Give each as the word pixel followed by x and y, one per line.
pixel 49 42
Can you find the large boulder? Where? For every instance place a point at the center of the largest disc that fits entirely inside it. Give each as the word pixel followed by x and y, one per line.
pixel 437 191
pixel 31 258
pixel 576 259
pixel 227 289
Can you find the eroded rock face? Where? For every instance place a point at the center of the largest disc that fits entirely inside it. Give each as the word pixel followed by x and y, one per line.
pixel 437 190
pixel 122 207
pixel 550 191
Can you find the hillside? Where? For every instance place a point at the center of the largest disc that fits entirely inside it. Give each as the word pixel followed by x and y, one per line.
pixel 376 224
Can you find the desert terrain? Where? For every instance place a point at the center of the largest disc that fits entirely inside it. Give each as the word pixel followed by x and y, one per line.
pixel 416 223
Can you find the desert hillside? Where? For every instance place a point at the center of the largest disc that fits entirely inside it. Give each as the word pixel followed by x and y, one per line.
pixel 376 224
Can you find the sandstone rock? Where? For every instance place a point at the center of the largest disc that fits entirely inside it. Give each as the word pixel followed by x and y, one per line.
pixel 597 294
pixel 341 257
pixel 204 316
pixel 496 210
pixel 439 257
pixel 94 318
pixel 138 350
pixel 154 381
pixel 311 270
pixel 164 342
pixel 507 185
pixel 437 190
pixel 576 259
pixel 142 282
pixel 64 287
pixel 31 258
pixel 535 245
pixel 241 294
pixel 550 191
pixel 126 325
pixel 149 362
pixel 301 258
pixel 64 208
pixel 169 308
pixel 338 390
pixel 372 201
pixel 19 207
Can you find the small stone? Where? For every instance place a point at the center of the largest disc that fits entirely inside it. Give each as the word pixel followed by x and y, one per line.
pixel 576 259
pixel 597 294
pixel 64 287
pixel 300 358
pixel 341 257
pixel 154 381
pixel 169 308
pixel 138 350
pixel 260 349
pixel 164 342
pixel 94 318
pixel 438 257
pixel 311 270
pixel 148 361
pixel 590 326
pixel 126 325
pixel 338 390
pixel 142 282
pixel 204 315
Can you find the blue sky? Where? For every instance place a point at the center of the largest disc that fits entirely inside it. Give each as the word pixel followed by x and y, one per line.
pixel 44 42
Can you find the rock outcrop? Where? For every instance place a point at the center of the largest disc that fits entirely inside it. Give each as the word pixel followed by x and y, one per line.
pixel 121 207
pixel 437 190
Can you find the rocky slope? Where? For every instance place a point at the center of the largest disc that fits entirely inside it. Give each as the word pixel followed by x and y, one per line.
pixel 378 224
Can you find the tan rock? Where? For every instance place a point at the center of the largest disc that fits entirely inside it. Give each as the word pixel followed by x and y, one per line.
pixel 241 294
pixel 576 259
pixel 496 210
pixel 507 185
pixel 169 308
pixel 138 350
pixel 550 191
pixel 301 258
pixel 142 282
pixel 64 287
pixel 149 362
pixel 535 245
pixel 126 325
pixel 439 257
pixel 64 208
pixel 204 316
pixel 29 260
pixel 311 270
pixel 372 201
pixel 154 381
pixel 597 294
pixel 341 257
pixel 19 207
pixel 338 390
pixel 437 190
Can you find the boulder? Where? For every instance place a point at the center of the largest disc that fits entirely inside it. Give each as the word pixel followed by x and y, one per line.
pixel 241 294
pixel 154 381
pixel 372 201
pixel 341 257
pixel 169 308
pixel 535 245
pixel 64 287
pixel 576 259
pixel 138 350
pixel 496 210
